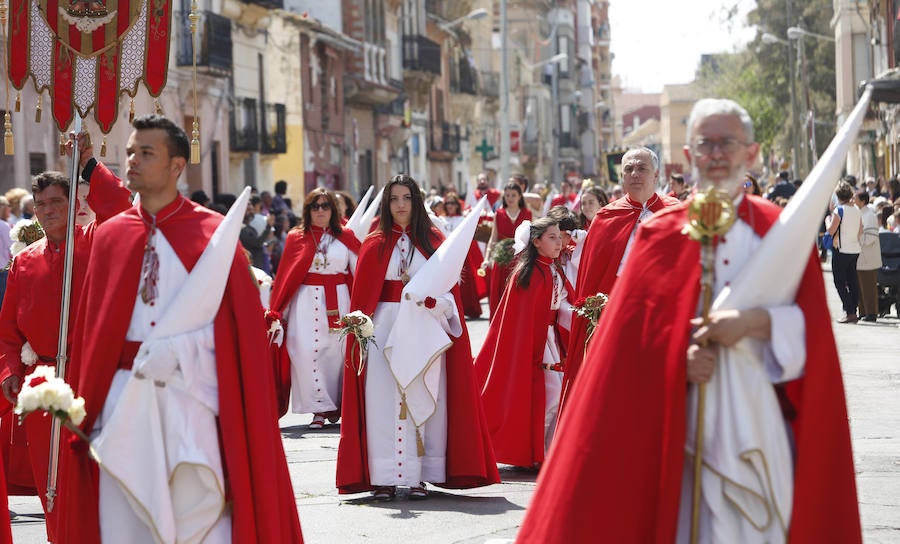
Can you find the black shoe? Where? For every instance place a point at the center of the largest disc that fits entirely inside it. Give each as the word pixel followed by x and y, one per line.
pixel 871 318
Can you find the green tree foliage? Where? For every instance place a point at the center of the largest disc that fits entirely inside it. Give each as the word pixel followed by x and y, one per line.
pixel 758 76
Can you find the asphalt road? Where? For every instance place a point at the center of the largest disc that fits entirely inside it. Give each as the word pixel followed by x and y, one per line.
pixel 870 355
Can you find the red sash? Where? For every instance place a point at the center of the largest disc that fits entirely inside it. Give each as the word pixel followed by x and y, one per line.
pixel 330 282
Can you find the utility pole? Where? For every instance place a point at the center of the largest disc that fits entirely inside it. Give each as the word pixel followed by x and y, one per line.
pixel 504 96
pixel 795 131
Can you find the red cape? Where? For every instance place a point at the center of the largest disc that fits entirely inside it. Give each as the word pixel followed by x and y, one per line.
pixel 617 460
pixel 506 228
pixel 493 195
pixel 298 254
pixel 600 258
pixel 258 485
pixel 470 458
pixel 509 372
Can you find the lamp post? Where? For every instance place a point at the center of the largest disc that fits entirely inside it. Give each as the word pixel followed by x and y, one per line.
pixel 797 34
pixel 795 133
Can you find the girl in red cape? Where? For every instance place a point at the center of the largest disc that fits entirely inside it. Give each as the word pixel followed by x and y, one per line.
pixel 519 363
pixel 380 447
pixel 507 218
pixel 312 291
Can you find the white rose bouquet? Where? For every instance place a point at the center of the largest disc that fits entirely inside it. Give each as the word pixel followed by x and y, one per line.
pixel 42 390
pixel 363 329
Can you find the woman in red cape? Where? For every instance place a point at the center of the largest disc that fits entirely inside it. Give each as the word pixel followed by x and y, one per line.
pixel 519 363
pixel 389 450
pixel 507 218
pixel 311 292
pixel 614 473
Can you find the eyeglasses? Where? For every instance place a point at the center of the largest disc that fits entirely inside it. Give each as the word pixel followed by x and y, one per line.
pixel 725 145
pixel 317 206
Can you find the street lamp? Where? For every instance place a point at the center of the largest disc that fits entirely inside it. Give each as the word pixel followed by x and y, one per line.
pixel 559 57
pixel 479 13
pixel 797 34
pixel 769 38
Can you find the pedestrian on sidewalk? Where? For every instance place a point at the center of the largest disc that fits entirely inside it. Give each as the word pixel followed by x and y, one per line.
pixel 845 226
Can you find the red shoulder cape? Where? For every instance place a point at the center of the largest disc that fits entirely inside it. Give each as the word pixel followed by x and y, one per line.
pixel 509 372
pixel 600 258
pixel 258 485
pixel 470 458
pixel 616 463
pixel 298 254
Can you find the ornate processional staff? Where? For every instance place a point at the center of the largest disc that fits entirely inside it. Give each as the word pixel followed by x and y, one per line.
pixel 85 54
pixel 710 215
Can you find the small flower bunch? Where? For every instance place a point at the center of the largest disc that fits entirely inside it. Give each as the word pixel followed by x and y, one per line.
pixel 363 329
pixel 590 308
pixel 42 390
pixel 24 234
pixel 503 253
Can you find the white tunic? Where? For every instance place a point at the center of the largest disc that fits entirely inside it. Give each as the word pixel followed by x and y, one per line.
pixel 765 506
pixel 552 378
pixel 317 355
pixel 191 450
pixel 392 448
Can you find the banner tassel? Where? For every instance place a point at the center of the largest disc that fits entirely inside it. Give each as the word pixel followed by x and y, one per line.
pixel 39 110
pixel 62 144
pixel 420 445
pixel 18 101
pixel 195 143
pixel 159 109
pixel 131 112
pixel 103 147
pixel 8 136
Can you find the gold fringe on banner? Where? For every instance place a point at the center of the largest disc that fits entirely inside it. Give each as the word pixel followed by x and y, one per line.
pixel 195 132
pixel 8 147
pixel 37 112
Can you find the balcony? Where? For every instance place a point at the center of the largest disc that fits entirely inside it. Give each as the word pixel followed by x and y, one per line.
pixel 214 40
pixel 463 77
pixel 267 4
pixel 274 129
pixel 243 125
pixel 373 86
pixel 490 84
pixel 444 143
pixel 421 55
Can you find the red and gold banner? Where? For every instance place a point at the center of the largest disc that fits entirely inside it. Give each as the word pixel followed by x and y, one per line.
pixel 87 53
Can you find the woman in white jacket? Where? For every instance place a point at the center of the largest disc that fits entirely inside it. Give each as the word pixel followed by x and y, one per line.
pixel 869 259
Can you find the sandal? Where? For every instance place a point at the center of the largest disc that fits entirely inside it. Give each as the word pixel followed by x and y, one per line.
pixel 318 422
pixel 384 493
pixel 418 493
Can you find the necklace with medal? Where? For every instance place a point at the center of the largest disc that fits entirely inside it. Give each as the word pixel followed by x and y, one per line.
pixel 321 259
pixel 405 263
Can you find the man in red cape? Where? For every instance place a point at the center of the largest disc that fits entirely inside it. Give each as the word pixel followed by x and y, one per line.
pixel 32 302
pixel 611 232
pixel 470 458
pixel 257 484
pixel 616 470
pixel 299 251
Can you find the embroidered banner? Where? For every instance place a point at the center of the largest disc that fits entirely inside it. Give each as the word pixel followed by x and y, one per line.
pixel 87 53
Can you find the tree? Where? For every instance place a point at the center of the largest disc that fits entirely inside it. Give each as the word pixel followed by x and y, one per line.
pixel 758 76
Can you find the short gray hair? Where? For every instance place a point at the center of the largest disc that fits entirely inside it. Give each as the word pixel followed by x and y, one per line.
pixel 653 157
pixel 707 107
